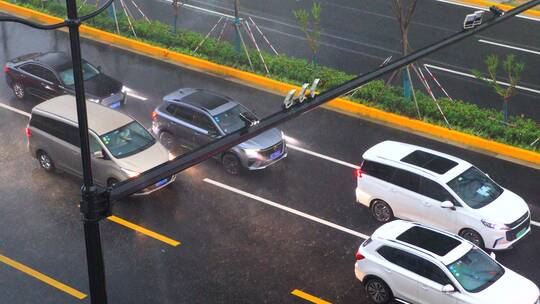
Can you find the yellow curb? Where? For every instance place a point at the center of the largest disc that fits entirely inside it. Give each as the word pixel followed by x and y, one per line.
pixel 506 7
pixel 497 149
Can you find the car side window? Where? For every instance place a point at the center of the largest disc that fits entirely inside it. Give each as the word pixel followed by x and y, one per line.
pixel 56 128
pixel 378 170
pixel 400 258
pixel 202 121
pixel 431 272
pixel 435 191
pixel 184 114
pixel 407 180
pixel 40 72
pixel 94 144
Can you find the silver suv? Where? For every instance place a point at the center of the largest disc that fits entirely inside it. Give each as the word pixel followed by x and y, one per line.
pixel 189 118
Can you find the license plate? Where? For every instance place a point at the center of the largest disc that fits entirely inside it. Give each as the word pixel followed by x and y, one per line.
pixel 521 233
pixel 162 182
pixel 276 154
pixel 115 105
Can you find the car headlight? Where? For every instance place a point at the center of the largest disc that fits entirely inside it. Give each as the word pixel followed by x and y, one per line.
pixel 495 226
pixel 171 156
pixel 252 153
pixel 94 100
pixel 130 173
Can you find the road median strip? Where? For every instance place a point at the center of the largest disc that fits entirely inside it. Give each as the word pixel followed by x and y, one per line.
pixel 308 297
pixel 143 230
pixel 42 277
pixel 506 7
pixel 486 146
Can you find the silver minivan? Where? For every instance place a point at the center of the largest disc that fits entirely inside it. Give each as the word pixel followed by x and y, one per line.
pixel 121 147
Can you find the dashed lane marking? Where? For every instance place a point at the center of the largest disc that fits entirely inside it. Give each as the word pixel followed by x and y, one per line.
pixel 535 223
pixel 509 46
pixel 285 208
pixel 5 106
pixel 44 278
pixel 472 76
pixel 308 297
pixel 143 230
pixel 337 161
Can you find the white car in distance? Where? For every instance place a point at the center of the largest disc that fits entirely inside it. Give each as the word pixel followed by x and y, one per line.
pixel 413 263
pixel 418 184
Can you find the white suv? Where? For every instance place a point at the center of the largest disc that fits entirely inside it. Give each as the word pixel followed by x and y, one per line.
pixel 418 184
pixel 414 263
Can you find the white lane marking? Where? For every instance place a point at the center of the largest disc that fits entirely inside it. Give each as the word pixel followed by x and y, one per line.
pixel 132 93
pixel 509 46
pixel 198 8
pixel 285 208
pixel 483 8
pixel 537 224
pixel 5 106
pixel 472 76
pixel 337 161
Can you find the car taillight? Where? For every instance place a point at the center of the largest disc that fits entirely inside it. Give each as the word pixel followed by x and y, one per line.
pixel 358 172
pixel 359 256
pixel 154 115
pixel 6 69
pixel 28 132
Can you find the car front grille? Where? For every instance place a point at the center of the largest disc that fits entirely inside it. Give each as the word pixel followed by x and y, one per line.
pixel 266 153
pixel 518 221
pixel 512 234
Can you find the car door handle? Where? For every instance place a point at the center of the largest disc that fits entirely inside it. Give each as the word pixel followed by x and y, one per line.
pixel 424 287
pixel 46 86
pixel 427 204
pixel 387 270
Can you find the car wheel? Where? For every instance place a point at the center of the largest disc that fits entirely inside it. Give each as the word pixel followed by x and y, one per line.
pixel 18 90
pixel 232 164
pixel 378 292
pixel 167 140
pixel 45 161
pixel 473 237
pixel 381 211
pixel 111 182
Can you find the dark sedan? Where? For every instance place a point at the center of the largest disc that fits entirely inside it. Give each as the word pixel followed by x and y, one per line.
pixel 47 75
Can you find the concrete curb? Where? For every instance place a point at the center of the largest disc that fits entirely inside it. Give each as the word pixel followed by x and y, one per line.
pixel 496 149
pixel 531 12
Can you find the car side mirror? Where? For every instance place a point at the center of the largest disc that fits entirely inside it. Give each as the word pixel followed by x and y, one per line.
pixel 492 255
pixel 98 154
pixel 448 288
pixel 448 205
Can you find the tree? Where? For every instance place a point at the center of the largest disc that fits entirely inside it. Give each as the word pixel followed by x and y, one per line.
pixel 513 71
pixel 403 13
pixel 310 24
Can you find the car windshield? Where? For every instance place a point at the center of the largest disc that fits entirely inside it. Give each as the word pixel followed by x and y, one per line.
pixel 476 271
pixel 127 140
pixel 230 120
pixel 475 188
pixel 89 71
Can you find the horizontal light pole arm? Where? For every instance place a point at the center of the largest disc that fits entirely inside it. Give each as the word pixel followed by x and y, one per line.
pixel 203 153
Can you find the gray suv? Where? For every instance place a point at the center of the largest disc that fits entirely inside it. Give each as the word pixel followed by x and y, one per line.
pixel 189 118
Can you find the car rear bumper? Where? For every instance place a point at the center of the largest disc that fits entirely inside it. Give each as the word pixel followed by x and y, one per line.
pixel 362 197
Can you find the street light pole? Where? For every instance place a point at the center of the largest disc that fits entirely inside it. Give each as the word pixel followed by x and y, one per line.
pixel 237 25
pixel 94 254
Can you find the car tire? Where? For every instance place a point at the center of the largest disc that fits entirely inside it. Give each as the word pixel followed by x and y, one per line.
pixel 18 90
pixel 45 161
pixel 167 140
pixel 231 164
pixel 381 211
pixel 378 291
pixel 111 182
pixel 472 236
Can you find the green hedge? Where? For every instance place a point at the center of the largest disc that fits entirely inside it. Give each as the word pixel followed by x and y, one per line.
pixel 463 116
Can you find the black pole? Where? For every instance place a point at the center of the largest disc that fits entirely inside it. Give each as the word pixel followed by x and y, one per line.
pixel 94 254
pixel 237 25
pixel 205 152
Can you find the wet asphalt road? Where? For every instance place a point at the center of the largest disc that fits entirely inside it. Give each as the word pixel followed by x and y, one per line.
pixel 359 34
pixel 233 249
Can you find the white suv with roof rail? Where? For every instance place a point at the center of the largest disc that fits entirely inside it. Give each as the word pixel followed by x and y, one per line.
pixel 414 183
pixel 414 263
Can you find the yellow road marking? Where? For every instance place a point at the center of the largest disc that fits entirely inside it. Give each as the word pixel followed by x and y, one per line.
pixel 38 275
pixel 309 297
pixel 143 230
